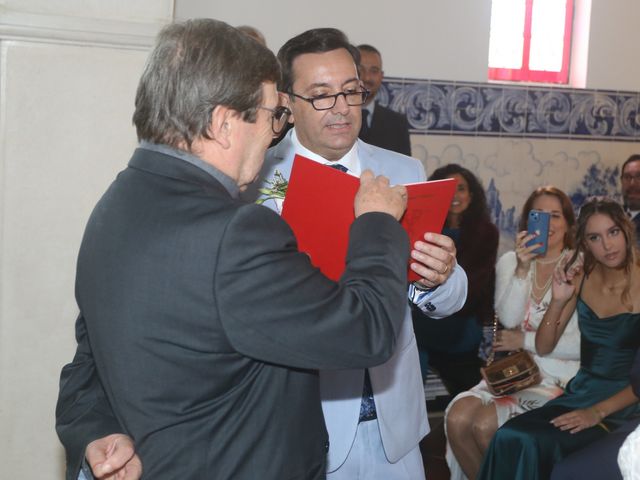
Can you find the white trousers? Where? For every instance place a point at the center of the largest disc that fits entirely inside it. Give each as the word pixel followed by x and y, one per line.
pixel 367 460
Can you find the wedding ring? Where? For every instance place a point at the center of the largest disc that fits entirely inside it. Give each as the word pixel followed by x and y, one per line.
pixel 446 268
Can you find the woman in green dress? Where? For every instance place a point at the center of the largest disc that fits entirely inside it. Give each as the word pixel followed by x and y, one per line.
pixel 605 290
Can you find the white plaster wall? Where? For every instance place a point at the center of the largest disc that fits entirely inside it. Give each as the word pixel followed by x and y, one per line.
pixel 68 73
pixel 434 39
pixel 613 45
pixel 437 39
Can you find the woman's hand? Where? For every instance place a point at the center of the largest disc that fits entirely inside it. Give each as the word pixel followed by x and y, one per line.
pixel 564 285
pixel 524 253
pixel 508 340
pixel 578 420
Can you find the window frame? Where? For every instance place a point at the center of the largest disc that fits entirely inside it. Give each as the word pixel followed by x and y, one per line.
pixel 524 74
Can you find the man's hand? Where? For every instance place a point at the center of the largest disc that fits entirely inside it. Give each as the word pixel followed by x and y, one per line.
pixel 114 457
pixel 436 257
pixel 375 195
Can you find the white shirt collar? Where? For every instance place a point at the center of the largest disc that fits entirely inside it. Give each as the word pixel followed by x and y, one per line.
pixel 350 159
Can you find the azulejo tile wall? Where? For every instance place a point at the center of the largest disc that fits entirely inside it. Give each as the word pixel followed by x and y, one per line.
pixel 517 138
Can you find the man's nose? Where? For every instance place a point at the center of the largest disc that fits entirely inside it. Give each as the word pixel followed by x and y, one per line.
pixel 341 105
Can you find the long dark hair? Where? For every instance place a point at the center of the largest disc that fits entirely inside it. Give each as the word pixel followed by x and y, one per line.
pixel 477 211
pixel 615 212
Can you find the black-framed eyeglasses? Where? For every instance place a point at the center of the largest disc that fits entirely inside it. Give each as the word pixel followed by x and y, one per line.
pixel 629 177
pixel 279 117
pixel 327 102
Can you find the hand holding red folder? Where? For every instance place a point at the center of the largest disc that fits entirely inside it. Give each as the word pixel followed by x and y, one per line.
pixel 376 195
pixel 319 208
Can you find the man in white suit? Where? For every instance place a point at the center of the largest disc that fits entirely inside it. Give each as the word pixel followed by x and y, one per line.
pixel 379 439
pixel 375 417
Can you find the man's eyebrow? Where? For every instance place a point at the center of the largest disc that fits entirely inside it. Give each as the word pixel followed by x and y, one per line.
pixel 354 79
pixel 326 85
pixel 318 85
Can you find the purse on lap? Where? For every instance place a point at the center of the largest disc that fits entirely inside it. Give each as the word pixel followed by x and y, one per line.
pixel 512 373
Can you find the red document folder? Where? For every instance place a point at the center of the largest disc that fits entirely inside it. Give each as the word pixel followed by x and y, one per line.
pixel 318 207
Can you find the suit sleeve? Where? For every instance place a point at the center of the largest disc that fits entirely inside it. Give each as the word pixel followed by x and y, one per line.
pixel 276 307
pixel 83 413
pixel 445 300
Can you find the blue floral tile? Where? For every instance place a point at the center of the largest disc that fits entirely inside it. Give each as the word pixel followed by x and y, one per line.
pixel 463 108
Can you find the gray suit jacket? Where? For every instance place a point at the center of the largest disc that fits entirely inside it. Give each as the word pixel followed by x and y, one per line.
pixel 205 326
pixel 397 384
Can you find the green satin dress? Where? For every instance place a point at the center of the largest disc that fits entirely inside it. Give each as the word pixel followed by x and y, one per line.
pixel 528 446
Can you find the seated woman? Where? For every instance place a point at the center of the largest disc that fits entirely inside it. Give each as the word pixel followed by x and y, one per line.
pixel 599 398
pixel 606 455
pixel 450 345
pixel 522 297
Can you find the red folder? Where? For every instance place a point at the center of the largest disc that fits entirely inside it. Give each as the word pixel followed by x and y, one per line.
pixel 318 207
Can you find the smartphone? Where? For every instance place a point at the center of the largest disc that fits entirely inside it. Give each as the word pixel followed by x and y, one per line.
pixel 538 222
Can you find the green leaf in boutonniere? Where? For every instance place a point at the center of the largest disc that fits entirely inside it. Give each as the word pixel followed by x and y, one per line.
pixel 276 189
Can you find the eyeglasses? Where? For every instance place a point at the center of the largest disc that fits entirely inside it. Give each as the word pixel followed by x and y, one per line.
pixel 628 177
pixel 327 102
pixel 279 117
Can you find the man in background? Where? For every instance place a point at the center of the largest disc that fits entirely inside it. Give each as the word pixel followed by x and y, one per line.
pixel 201 325
pixel 630 182
pixel 381 126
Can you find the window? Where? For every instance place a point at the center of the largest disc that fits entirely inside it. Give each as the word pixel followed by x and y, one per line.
pixel 530 40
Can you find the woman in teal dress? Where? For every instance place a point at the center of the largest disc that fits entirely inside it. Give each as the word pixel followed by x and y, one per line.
pixel 605 290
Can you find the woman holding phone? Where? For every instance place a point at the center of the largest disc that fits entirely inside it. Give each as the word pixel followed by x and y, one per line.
pixel 606 294
pixel 522 296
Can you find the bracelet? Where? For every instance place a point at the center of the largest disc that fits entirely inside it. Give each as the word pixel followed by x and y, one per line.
pixel 599 414
pixel 418 286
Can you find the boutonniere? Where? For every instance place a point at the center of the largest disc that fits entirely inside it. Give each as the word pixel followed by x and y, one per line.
pixel 276 188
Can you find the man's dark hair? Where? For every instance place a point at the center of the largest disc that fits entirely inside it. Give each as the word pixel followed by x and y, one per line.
pixel 369 48
pixel 317 40
pixel 633 158
pixel 195 66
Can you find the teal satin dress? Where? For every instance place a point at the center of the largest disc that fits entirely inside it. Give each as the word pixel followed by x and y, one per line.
pixel 527 446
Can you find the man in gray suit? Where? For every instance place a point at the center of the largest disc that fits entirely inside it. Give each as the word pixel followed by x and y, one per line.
pixel 376 417
pixel 201 326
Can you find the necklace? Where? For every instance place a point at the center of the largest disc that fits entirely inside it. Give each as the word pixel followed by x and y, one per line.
pixel 553 260
pixel 543 288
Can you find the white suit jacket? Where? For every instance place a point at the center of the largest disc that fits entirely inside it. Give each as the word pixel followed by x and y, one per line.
pixel 397 384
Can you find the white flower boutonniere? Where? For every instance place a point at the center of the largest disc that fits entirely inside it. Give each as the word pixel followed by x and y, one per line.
pixel 276 189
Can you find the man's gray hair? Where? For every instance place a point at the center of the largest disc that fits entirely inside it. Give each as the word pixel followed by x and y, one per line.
pixel 195 66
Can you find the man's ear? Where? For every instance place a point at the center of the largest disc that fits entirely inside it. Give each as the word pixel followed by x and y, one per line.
pixel 222 125
pixel 285 101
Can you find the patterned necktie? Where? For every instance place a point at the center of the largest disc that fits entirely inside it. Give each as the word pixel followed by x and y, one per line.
pixel 337 166
pixel 368 404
